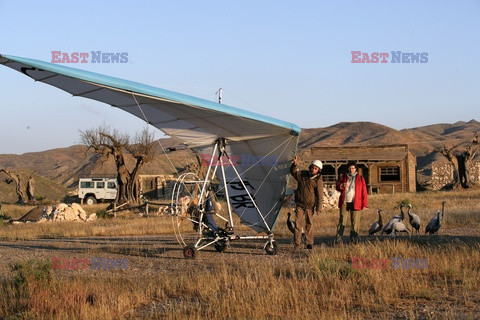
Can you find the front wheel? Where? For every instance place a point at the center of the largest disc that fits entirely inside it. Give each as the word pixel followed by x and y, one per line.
pixel 271 248
pixel 90 200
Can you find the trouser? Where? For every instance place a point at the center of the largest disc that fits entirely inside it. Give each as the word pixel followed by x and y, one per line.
pixel 303 217
pixel 354 220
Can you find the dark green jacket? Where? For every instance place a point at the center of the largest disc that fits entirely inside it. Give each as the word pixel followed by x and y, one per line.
pixel 309 193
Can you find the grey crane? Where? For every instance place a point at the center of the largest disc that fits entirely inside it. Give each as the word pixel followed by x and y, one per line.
pixel 434 225
pixel 399 227
pixel 388 228
pixel 436 222
pixel 414 219
pixel 377 225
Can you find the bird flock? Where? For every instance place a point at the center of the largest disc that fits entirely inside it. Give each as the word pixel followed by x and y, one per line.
pixel 396 225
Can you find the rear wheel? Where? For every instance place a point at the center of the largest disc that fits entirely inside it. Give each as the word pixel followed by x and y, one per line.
pixel 90 200
pixel 189 252
pixel 186 215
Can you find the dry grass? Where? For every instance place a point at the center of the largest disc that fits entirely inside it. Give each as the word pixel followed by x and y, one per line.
pixel 319 285
pixel 125 224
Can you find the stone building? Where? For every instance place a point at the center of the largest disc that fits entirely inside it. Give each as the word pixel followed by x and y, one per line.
pixel 157 186
pixel 442 174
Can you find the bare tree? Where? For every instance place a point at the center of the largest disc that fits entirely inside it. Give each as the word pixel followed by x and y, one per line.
pixel 111 143
pixel 31 189
pixel 467 156
pixel 461 161
pixel 19 189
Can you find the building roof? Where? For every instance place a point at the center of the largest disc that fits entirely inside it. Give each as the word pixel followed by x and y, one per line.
pixel 361 153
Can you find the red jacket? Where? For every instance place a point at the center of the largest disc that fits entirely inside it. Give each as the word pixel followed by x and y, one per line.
pixel 360 201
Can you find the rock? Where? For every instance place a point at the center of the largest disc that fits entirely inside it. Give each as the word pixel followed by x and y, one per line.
pixel 70 214
pixel 33 215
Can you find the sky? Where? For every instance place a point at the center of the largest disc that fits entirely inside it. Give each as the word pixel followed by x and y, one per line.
pixel 290 60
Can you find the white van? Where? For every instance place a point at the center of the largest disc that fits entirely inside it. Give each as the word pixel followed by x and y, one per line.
pixel 92 190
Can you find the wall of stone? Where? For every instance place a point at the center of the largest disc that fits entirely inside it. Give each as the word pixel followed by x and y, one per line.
pixel 442 174
pixel 475 172
pixel 157 186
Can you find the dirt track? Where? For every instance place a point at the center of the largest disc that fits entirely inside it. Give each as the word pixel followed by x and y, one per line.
pixel 149 254
pixel 145 254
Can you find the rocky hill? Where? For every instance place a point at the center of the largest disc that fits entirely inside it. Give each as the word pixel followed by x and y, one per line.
pixel 422 140
pixel 59 169
pixel 350 133
pixel 56 171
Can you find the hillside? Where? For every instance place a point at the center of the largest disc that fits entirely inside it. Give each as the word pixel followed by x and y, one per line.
pixel 350 133
pixel 422 141
pixel 59 169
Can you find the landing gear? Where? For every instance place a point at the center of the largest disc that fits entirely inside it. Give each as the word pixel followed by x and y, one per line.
pixel 271 248
pixel 198 218
pixel 220 246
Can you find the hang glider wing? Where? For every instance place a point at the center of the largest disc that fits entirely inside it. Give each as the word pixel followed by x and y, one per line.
pixel 260 147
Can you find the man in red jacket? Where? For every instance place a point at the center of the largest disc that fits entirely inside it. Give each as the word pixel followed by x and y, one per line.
pixel 353 198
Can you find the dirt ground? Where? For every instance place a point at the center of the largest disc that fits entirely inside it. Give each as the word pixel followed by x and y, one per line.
pixel 145 254
pixel 148 254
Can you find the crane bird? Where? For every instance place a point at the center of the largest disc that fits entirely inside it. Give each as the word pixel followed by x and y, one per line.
pixel 436 222
pixel 399 227
pixel 414 219
pixel 291 226
pixel 377 225
pixel 388 228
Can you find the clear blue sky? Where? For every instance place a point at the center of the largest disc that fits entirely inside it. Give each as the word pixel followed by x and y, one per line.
pixel 290 60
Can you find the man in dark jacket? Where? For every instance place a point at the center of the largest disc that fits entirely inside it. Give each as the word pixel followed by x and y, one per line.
pixel 308 199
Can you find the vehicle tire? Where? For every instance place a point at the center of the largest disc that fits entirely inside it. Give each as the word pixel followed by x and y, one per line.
pixel 189 252
pixel 90 200
pixel 271 248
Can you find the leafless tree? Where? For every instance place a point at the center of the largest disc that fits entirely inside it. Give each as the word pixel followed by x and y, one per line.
pixel 461 160
pixel 31 189
pixel 19 189
pixel 468 155
pixel 112 143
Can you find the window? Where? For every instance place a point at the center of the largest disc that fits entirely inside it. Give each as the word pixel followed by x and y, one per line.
pixel 390 173
pixel 86 184
pixel 100 185
pixel 111 185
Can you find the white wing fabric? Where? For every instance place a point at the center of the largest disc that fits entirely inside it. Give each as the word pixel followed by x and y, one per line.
pixel 197 123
